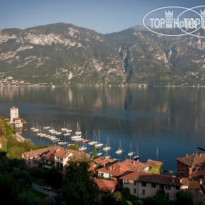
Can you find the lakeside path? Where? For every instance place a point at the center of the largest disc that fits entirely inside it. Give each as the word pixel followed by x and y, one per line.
pixel 20 138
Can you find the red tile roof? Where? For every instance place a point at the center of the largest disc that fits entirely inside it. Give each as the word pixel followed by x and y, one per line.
pixel 62 153
pixel 17 118
pixel 151 163
pixel 120 168
pixel 13 108
pixel 194 185
pixel 115 169
pixel 134 165
pixel 102 161
pixel 195 160
pixel 152 178
pixel 184 181
pixel 106 186
pixel 50 152
pixel 35 153
pixel 92 166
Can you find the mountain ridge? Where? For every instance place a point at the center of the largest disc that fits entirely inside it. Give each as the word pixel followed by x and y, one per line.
pixel 63 53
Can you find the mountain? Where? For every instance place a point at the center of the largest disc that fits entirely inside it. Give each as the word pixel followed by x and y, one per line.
pixel 66 54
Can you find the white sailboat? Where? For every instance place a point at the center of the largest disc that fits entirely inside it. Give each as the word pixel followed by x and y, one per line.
pixel 131 152
pixel 76 137
pixel 46 128
pixel 78 132
pixel 93 142
pixel 119 151
pixel 83 148
pixel 64 128
pixel 68 130
pixel 66 134
pixel 107 148
pixel 99 144
pixel 33 128
pixel 136 157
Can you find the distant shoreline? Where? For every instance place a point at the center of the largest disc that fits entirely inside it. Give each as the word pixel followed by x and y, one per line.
pixel 107 86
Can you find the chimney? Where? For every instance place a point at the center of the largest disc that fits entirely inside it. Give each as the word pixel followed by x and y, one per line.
pixel 187 155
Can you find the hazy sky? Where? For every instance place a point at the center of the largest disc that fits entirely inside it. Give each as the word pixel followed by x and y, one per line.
pixel 104 16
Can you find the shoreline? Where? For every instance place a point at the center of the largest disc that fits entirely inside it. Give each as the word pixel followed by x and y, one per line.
pixel 20 138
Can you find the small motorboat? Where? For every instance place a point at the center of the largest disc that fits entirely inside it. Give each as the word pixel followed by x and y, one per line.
pixel 201 148
pixel 46 128
pixel 85 141
pixel 136 157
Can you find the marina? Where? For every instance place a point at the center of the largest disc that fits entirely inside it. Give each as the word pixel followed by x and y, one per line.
pixel 149 118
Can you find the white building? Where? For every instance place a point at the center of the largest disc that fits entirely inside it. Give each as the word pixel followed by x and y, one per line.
pixel 14 117
pixel 14 113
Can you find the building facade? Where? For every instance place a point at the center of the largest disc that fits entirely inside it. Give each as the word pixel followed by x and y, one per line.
pixel 145 185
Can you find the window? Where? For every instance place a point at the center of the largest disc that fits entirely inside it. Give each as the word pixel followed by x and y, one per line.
pixel 143 183
pixel 143 192
pixel 154 185
pixel 126 181
pixel 193 169
pixel 167 187
pixel 134 191
pixel 161 186
pixel 135 183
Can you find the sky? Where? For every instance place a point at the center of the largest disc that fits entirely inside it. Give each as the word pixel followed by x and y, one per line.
pixel 103 16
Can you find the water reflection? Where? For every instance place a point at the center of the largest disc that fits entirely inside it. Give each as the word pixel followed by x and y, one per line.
pixel 171 119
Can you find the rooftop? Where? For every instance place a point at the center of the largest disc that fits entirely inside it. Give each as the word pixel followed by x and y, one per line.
pixel 102 161
pixel 195 160
pixel 105 185
pixel 120 168
pixel 194 185
pixel 13 108
pixel 152 178
pixel 151 163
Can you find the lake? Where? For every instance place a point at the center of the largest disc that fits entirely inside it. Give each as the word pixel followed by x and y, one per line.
pixel 172 119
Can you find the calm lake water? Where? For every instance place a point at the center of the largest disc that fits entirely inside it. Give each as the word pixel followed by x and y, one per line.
pixel 172 119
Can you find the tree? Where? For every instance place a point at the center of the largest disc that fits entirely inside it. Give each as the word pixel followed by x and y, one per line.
pixel 184 198
pixel 73 147
pixel 94 151
pixel 158 199
pixel 53 177
pixel 78 186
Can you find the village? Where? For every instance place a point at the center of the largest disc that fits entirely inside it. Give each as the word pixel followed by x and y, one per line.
pixel 143 179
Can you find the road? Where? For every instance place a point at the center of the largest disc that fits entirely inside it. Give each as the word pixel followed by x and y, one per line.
pixel 40 189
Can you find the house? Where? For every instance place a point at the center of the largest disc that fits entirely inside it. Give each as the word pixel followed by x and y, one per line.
pixel 14 113
pixel 102 161
pixel 154 166
pixel 51 156
pixel 114 171
pixel 14 117
pixel 144 185
pixel 105 187
pixel 18 123
pixel 191 166
pixel 41 156
pixel 196 188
